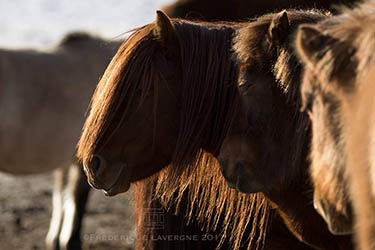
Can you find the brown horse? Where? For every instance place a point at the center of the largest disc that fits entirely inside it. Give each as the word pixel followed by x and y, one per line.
pixel 266 148
pixel 338 92
pixel 44 91
pixel 166 99
pixel 236 10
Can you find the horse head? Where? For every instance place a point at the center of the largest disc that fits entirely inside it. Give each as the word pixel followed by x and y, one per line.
pixel 132 127
pixel 328 74
pixel 164 99
pixel 256 153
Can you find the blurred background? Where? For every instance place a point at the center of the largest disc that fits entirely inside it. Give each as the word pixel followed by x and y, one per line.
pixel 25 202
pixel 27 23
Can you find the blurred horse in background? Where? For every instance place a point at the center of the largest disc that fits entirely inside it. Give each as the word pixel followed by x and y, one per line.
pixel 241 10
pixel 43 98
pixel 338 92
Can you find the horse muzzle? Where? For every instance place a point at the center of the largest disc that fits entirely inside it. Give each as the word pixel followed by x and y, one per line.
pixel 111 178
pixel 238 176
pixel 338 223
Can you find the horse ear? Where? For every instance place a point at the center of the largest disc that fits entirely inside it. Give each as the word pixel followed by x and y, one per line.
pixel 164 30
pixel 279 28
pixel 309 42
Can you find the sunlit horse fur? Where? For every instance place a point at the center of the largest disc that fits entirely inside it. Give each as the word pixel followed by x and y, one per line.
pixel 338 92
pixel 43 97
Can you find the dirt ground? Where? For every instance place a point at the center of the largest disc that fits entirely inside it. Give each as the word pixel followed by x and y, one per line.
pixel 25 209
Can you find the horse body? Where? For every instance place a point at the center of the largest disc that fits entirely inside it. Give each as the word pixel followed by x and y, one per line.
pixel 35 103
pixel 43 97
pixel 241 10
pixel 266 148
pixel 337 91
pixel 33 109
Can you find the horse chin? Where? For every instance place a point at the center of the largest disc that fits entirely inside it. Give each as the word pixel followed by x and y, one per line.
pixel 244 186
pixel 122 184
pixel 338 224
pixel 240 177
pixel 340 228
pixel 248 187
pixel 247 182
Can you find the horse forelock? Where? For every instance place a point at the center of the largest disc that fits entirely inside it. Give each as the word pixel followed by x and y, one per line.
pixel 117 89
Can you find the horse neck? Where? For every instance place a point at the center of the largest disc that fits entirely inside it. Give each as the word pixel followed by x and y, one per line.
pixel 294 204
pixel 307 225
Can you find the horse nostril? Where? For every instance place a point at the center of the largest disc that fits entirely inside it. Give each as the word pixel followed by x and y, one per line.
pixel 97 165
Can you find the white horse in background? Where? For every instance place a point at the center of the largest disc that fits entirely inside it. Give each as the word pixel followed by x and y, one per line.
pixel 44 95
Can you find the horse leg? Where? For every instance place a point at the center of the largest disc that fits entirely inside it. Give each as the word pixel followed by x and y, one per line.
pixel 52 239
pixel 74 202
